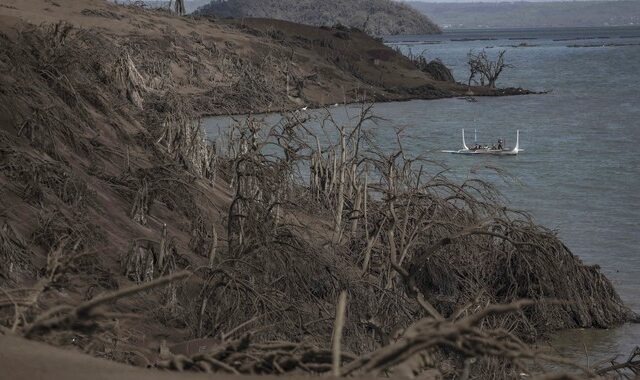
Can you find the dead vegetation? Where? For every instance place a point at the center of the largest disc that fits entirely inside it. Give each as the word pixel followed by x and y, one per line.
pixel 274 224
pixel 627 369
pixel 14 255
pixel 488 70
pixel 447 250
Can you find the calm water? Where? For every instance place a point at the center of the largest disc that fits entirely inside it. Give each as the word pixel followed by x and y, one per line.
pixel 580 172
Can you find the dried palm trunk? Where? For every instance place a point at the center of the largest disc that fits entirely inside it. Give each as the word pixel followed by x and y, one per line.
pixel 140 208
pixel 357 213
pixel 163 247
pixel 180 8
pixel 129 80
pixel 214 247
pixel 337 232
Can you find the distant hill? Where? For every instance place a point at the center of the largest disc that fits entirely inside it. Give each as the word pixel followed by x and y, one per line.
pixel 376 17
pixel 191 5
pixel 532 14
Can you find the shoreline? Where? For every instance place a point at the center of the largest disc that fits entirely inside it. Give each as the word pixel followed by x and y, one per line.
pixel 495 93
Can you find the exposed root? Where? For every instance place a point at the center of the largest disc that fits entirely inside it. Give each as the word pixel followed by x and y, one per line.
pixel 629 369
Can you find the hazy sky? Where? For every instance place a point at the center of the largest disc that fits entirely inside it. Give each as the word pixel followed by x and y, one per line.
pixel 492 1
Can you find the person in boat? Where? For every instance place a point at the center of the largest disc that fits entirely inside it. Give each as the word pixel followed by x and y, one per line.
pixel 500 144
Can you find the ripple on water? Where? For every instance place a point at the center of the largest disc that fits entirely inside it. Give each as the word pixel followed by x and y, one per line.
pixel 580 171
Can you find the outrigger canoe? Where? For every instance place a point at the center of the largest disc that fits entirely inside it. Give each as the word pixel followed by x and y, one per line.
pixel 489 151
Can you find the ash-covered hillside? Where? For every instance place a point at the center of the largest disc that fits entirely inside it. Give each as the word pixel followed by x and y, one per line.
pixel 376 17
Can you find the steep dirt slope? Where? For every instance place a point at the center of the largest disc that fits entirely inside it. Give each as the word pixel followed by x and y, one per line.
pixel 93 99
pixel 252 65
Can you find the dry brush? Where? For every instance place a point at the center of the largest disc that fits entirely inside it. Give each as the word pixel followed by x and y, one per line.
pixel 274 222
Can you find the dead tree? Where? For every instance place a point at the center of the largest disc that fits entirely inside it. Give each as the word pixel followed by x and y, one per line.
pixel 180 8
pixel 487 69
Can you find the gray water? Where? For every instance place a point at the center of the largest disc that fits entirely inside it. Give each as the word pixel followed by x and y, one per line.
pixel 580 171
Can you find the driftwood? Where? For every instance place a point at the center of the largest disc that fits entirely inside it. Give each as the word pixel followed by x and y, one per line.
pixel 629 369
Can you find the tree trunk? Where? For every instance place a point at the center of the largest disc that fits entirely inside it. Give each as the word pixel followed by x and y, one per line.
pixel 180 8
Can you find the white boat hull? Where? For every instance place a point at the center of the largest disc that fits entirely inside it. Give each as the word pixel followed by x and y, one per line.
pixel 490 152
pixel 483 152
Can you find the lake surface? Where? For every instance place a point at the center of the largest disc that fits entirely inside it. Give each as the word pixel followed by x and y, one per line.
pixel 580 171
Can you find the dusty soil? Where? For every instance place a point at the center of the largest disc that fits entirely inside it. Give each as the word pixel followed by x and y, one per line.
pixel 22 359
pixel 253 65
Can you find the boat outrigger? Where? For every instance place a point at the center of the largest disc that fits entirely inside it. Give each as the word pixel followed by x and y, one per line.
pixel 493 150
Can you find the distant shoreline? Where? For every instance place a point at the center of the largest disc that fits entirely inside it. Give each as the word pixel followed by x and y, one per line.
pixel 454 35
pixel 473 15
pixel 525 29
